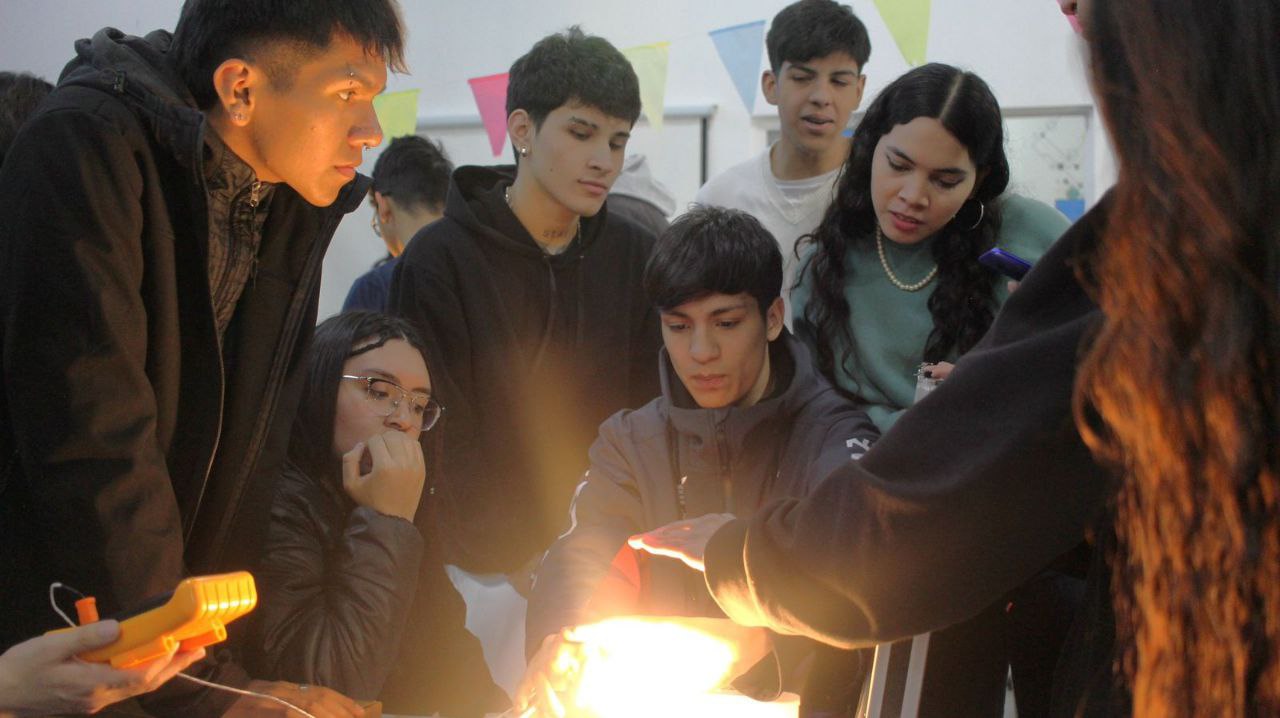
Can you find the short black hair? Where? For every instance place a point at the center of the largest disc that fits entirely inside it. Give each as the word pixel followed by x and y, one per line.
pixel 210 32
pixel 415 171
pixel 713 250
pixel 573 66
pixel 20 94
pixel 311 441
pixel 810 29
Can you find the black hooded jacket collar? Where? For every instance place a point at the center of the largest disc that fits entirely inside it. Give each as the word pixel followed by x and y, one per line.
pixel 139 70
pixel 476 201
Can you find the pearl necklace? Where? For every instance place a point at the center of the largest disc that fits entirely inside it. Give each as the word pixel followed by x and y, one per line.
pixel 893 278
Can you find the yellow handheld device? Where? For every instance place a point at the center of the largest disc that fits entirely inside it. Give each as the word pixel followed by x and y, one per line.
pixel 193 616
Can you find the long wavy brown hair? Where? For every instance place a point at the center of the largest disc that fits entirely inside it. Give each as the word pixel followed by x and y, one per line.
pixel 1180 391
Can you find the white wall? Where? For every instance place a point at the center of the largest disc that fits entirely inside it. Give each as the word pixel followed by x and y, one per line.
pixel 1023 48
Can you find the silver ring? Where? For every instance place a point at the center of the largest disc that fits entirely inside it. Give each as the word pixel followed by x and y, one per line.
pixel 303 686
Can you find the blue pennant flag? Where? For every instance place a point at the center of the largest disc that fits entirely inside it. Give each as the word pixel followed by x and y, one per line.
pixel 740 47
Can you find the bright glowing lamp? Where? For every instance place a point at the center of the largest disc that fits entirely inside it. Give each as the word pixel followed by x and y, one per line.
pixel 634 667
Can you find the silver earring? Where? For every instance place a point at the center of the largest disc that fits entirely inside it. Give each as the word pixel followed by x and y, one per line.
pixel 524 151
pixel 982 212
pixel 238 116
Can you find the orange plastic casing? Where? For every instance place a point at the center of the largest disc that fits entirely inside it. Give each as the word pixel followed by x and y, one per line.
pixel 195 616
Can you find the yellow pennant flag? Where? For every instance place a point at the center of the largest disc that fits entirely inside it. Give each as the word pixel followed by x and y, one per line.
pixel 397 113
pixel 908 22
pixel 650 64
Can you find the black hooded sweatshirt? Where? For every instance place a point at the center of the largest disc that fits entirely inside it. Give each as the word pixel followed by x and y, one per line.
pixel 975 490
pixel 529 353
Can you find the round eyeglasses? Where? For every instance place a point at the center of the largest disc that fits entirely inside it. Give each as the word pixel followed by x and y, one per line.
pixel 386 396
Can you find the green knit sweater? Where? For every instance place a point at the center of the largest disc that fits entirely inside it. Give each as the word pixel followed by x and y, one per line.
pixel 890 326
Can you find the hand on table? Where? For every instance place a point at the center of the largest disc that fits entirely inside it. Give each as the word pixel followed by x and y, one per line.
pixel 316 700
pixel 551 672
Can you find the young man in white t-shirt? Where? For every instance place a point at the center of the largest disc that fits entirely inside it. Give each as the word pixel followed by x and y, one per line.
pixel 817 50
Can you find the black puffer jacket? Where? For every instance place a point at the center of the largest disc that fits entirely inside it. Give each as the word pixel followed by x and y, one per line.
pixel 133 449
pixel 359 601
pixel 336 582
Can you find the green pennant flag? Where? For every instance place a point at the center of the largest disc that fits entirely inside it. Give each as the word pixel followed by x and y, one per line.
pixel 397 113
pixel 650 64
pixel 908 22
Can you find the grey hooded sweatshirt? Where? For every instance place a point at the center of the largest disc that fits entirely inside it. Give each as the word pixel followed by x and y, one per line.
pixel 671 459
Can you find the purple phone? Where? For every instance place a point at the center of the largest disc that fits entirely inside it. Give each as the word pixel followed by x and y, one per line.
pixel 1006 263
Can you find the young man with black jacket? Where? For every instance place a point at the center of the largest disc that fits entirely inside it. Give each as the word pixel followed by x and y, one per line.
pixel 162 223
pixel 528 295
pixel 743 418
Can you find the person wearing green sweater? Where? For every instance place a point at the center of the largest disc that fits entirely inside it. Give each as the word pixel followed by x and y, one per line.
pixel 891 284
pixel 890 279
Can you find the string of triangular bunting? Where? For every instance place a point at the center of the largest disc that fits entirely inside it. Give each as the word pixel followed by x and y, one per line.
pixel 740 47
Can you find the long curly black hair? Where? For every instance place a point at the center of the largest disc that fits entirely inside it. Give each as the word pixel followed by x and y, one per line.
pixel 963 302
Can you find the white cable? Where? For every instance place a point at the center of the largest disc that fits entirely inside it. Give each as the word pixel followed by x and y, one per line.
pixel 53 601
pixel 252 694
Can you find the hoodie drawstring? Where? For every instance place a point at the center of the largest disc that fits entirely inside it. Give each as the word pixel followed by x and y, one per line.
pixel 582 312
pixel 551 314
pixel 553 309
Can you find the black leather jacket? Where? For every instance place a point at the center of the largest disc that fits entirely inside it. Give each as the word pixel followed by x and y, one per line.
pixel 336 582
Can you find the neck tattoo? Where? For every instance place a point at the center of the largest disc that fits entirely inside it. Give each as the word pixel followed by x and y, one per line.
pixel 549 234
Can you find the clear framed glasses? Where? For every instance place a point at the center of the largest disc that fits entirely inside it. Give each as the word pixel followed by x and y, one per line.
pixel 386 396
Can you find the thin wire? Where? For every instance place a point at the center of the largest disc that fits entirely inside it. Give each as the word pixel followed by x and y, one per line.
pixel 53 601
pixel 252 694
pixel 218 686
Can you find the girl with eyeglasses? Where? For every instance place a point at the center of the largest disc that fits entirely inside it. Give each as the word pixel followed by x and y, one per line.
pixel 345 566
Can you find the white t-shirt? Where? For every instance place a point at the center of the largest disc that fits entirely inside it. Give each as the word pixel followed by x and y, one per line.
pixel 789 209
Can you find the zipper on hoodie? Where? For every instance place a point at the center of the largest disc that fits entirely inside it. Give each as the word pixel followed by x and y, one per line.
pixel 726 481
pixel 275 375
pixel 551 313
pixel 222 401
pixel 255 197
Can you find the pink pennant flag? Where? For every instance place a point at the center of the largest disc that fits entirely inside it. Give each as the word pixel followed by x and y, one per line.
pixel 1075 22
pixel 491 100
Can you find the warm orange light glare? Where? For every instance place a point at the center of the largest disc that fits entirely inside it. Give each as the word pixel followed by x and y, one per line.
pixel 635 667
